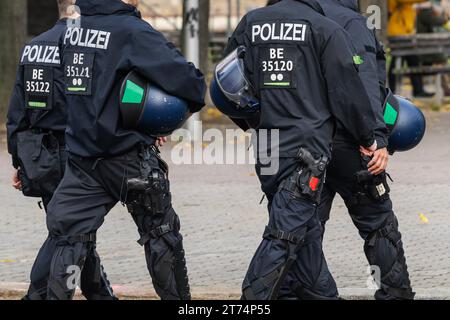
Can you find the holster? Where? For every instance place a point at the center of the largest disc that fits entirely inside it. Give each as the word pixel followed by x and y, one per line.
pixel 372 187
pixel 40 168
pixel 308 179
pixel 151 191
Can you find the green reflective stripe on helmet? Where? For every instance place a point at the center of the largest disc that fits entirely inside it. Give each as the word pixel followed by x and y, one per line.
pixel 390 115
pixel 133 93
pixel 358 60
pixel 33 104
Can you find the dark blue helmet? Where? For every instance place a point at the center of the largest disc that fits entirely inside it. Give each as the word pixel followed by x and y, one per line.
pixel 148 109
pixel 230 90
pixel 405 121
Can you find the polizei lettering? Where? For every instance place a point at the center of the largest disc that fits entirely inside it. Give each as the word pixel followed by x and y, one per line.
pixel 88 38
pixel 294 32
pixel 42 54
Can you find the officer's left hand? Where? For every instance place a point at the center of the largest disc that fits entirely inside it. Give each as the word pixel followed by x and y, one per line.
pixel 16 183
pixel 379 162
pixel 160 142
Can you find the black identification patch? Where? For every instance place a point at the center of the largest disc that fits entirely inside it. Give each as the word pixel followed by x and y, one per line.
pixel 38 86
pixel 78 71
pixel 277 66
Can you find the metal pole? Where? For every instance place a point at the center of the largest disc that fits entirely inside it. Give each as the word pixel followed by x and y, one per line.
pixel 192 41
pixel 229 18
pixel 238 9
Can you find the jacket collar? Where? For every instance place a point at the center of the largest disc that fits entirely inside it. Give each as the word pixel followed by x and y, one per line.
pixel 105 7
pixel 314 5
pixel 351 4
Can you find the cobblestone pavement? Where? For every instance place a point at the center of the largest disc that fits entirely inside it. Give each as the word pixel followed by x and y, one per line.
pixel 222 222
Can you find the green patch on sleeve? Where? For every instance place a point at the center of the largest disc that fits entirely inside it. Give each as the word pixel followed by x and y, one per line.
pixel 390 115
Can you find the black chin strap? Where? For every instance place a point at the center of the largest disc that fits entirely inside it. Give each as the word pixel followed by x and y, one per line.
pixel 314 5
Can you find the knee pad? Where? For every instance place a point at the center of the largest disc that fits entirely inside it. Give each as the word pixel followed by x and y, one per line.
pixel 165 255
pixel 384 249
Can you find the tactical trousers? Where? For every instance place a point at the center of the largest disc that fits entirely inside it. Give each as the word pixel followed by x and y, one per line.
pixel 374 219
pixel 95 285
pixel 89 190
pixel 289 263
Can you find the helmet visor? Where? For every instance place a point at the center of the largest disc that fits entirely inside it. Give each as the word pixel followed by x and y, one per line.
pixel 231 78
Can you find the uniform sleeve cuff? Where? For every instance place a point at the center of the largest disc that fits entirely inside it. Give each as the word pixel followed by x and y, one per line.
pixel 382 142
pixel 194 108
pixel 369 142
pixel 15 163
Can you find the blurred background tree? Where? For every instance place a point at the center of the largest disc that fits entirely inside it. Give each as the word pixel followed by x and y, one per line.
pixel 42 15
pixel 13 33
pixel 19 21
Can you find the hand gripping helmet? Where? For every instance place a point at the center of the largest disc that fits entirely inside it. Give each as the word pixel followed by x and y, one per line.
pixel 230 90
pixel 405 121
pixel 148 109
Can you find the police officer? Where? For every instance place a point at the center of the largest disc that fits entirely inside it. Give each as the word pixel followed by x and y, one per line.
pixel 305 76
pixel 37 119
pixel 107 42
pixel 367 200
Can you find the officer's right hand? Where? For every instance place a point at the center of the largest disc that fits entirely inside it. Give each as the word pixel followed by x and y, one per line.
pixel 160 142
pixel 379 162
pixel 16 183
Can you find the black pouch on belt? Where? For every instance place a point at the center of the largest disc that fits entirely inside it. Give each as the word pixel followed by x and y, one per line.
pixel 374 187
pixel 40 168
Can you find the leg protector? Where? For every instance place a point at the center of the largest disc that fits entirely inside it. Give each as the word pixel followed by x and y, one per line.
pixel 94 281
pixel 40 271
pixel 293 228
pixel 67 264
pixel 149 202
pixel 266 276
pixel 310 278
pixel 164 253
pixel 384 249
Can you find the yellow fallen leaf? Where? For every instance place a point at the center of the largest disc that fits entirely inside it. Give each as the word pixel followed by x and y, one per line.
pixel 212 112
pixel 424 218
pixel 7 261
